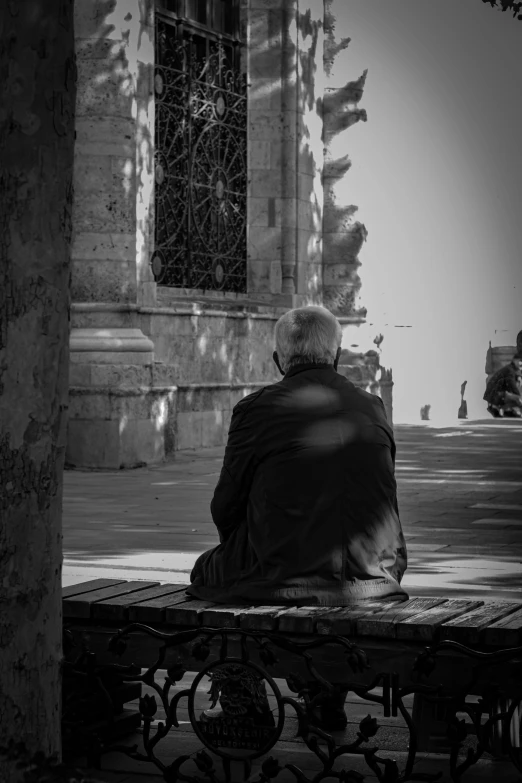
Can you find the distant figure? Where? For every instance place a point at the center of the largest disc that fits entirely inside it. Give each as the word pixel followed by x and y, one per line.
pixel 503 390
pixel 425 412
pixel 378 340
pixel 463 410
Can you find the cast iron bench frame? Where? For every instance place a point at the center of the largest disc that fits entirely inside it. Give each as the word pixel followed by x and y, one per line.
pixel 440 650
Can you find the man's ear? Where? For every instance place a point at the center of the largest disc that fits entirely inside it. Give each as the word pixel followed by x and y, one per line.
pixel 275 357
pixel 337 357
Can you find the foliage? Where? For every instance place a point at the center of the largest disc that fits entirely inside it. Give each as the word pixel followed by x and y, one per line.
pixel 515 6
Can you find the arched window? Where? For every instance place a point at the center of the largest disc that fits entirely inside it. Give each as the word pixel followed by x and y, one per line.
pixel 200 146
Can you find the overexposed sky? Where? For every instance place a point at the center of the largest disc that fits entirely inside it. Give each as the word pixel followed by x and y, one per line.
pixel 437 169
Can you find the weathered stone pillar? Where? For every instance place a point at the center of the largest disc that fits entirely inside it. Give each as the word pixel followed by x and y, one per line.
pixel 343 235
pixel 284 45
pixel 114 152
pixel 116 412
pixel 309 140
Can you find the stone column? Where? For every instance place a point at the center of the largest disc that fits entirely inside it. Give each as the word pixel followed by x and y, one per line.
pixel 115 409
pixel 344 235
pixel 113 188
pixel 284 45
pixel 309 149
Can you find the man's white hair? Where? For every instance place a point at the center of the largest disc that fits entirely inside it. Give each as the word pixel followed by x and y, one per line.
pixel 307 335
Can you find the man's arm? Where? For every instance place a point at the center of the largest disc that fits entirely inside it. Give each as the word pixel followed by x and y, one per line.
pixel 389 431
pixel 229 504
pixel 385 425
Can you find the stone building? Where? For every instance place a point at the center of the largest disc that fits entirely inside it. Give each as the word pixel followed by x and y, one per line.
pixel 204 207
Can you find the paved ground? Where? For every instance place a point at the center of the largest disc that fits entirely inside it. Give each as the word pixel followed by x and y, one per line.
pixel 460 498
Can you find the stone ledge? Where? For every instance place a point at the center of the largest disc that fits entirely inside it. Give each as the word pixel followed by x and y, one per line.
pixel 112 427
pixel 110 375
pixel 192 300
pixel 110 346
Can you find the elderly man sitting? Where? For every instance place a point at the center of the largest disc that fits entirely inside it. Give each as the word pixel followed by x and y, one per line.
pixel 306 504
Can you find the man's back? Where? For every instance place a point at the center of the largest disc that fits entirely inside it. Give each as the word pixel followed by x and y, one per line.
pixel 306 502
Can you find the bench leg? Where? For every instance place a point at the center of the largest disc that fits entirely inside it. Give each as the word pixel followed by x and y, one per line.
pixel 431 722
pixel 515 726
pixel 236 771
pixel 498 741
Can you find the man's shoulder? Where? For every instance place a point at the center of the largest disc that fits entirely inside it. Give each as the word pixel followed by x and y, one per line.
pixel 246 402
pixel 364 398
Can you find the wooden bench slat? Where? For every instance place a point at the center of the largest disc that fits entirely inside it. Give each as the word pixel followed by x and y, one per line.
pixel 344 621
pixel 497 623
pixel 187 612
pixel 302 619
pixel 80 605
pixel 221 616
pixel 506 632
pixel 426 624
pixel 384 623
pixel 116 608
pixel 260 618
pixel 469 627
pixel 153 610
pixel 88 587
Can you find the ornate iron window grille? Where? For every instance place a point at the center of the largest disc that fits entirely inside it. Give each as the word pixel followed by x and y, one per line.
pixel 200 160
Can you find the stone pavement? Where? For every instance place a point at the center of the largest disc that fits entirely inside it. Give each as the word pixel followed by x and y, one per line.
pixel 460 499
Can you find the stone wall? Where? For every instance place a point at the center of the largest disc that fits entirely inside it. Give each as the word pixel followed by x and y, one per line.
pixel 156 369
pixel 123 414
pixel 203 346
pixel 215 357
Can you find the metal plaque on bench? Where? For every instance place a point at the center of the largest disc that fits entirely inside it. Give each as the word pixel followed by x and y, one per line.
pixel 244 716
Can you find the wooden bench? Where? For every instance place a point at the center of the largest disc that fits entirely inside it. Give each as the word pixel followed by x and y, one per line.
pixel 392 635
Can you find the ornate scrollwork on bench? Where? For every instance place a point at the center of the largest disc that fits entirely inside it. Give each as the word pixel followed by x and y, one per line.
pixel 494 718
pixel 246 711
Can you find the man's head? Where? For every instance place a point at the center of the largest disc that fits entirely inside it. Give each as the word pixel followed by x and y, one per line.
pixel 307 335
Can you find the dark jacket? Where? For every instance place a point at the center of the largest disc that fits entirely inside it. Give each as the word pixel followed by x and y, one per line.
pixel 504 380
pixel 306 504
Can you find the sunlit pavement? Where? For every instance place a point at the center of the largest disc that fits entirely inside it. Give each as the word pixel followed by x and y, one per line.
pixel 460 498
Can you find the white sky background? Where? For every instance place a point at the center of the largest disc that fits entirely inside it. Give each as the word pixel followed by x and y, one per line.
pixel 437 176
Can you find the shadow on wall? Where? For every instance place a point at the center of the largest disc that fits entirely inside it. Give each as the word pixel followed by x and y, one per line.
pixel 343 236
pixel 284 194
pixel 322 113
